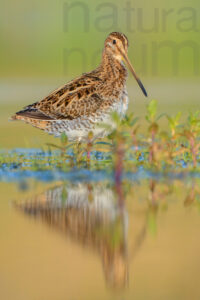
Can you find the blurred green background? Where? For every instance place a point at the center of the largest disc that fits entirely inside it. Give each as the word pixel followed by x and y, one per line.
pixel 44 44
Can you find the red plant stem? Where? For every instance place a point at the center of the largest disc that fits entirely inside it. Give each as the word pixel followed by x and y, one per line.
pixel 118 172
pixel 89 146
pixel 135 141
pixel 88 154
pixel 194 157
pixel 151 152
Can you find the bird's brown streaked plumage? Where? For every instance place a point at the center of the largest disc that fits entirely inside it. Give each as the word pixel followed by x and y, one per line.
pixel 80 105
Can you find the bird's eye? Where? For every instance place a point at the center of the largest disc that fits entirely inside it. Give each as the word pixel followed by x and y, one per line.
pixel 114 42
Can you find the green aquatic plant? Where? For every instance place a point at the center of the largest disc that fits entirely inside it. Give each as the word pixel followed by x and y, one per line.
pixel 174 123
pixel 191 133
pixel 64 155
pixel 129 147
pixel 152 130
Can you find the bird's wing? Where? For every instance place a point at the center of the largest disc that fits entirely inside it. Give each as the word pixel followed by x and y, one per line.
pixel 77 98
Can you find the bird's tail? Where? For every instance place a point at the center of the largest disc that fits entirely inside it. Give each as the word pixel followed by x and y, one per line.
pixel 32 116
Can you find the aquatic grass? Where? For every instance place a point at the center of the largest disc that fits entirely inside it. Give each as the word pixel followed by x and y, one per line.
pixel 126 150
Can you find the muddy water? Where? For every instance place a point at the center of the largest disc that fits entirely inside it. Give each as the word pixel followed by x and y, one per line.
pixel 80 241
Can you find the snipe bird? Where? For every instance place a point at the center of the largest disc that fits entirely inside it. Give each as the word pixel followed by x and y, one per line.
pixel 81 105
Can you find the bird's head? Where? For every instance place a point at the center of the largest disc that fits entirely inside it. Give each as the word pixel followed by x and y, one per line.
pixel 116 45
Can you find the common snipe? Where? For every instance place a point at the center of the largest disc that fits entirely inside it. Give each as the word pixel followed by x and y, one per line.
pixel 82 104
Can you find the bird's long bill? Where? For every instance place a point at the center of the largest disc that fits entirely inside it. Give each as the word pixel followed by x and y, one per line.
pixel 134 74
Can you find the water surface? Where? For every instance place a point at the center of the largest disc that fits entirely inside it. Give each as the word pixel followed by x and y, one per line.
pixel 66 240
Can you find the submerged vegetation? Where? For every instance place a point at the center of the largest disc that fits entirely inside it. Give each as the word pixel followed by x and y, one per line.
pixel 126 150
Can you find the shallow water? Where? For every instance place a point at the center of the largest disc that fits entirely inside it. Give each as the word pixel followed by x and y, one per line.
pixel 87 240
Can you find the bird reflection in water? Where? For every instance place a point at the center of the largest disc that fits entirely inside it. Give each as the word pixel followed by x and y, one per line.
pixel 93 216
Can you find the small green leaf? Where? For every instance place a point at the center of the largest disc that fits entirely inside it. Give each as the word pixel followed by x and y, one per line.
pixel 64 139
pixel 116 118
pixel 152 110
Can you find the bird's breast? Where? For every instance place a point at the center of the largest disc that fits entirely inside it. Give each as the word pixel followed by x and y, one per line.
pixel 122 104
